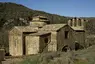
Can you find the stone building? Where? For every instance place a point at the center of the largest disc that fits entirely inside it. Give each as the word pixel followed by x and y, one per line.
pixel 79 30
pixel 37 42
pixel 40 36
pixel 16 39
pixel 61 36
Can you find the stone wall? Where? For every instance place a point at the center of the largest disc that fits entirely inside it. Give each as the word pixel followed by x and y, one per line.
pixel 44 42
pixel 65 40
pixel 80 38
pixel 32 44
pixel 53 44
pixel 15 45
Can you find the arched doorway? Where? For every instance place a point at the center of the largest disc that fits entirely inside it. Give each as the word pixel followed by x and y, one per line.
pixel 65 48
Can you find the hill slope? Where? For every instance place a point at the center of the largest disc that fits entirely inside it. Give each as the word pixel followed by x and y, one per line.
pixel 14 11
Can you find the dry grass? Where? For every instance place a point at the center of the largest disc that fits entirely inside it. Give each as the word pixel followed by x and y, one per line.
pixel 86 56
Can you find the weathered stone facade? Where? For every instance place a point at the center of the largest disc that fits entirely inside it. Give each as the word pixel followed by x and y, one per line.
pixel 16 39
pixel 37 43
pixel 59 38
pixel 79 30
pixel 40 36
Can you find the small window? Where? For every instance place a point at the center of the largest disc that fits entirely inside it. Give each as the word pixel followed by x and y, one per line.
pixel 46 40
pixel 66 34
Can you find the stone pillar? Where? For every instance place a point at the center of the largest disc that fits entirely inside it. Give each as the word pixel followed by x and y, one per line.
pixel 82 22
pixel 77 20
pixel 73 21
pixel 69 22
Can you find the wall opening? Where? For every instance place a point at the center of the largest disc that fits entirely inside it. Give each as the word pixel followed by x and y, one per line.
pixel 24 45
pixel 66 34
pixel 79 22
pixel 78 46
pixel 46 40
pixel 65 48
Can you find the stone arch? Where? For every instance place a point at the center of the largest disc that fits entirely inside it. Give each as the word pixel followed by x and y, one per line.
pixel 65 48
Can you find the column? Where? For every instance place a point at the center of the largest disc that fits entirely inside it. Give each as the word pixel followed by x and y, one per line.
pixel 69 22
pixel 77 22
pixel 73 21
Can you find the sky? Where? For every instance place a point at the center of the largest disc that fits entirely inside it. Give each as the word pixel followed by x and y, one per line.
pixel 72 8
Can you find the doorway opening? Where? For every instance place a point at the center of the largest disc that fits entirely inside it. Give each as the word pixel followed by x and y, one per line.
pixel 24 45
pixel 78 46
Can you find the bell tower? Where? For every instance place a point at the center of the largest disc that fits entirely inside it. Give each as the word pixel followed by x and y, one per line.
pixel 77 23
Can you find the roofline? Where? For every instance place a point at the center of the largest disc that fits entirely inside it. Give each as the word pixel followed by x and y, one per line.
pixel 65 26
pixel 38 35
pixel 80 30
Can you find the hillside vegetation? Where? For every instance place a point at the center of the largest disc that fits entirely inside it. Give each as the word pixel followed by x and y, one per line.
pixel 86 56
pixel 14 11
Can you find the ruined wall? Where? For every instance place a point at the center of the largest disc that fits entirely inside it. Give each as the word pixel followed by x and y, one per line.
pixel 15 45
pixel 32 44
pixel 62 41
pixel 53 44
pixel 44 41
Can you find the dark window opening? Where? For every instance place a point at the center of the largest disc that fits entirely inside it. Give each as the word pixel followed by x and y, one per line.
pixel 46 40
pixel 78 46
pixel 43 18
pixel 28 32
pixel 71 22
pixel 66 34
pixel 24 46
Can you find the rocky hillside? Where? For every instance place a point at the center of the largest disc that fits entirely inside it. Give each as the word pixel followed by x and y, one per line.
pixel 11 12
